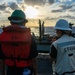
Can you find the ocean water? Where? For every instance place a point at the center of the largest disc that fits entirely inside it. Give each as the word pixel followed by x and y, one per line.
pixel 47 30
pixel 35 30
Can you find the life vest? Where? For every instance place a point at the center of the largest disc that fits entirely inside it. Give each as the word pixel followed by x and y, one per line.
pixel 16 43
pixel 65 47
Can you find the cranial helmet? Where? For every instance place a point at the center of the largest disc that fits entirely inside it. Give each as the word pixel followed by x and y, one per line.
pixel 18 15
pixel 62 25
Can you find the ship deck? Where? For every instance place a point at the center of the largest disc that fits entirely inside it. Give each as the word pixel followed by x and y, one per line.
pixel 44 64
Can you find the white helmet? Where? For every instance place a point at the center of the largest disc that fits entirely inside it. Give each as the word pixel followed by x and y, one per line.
pixel 62 25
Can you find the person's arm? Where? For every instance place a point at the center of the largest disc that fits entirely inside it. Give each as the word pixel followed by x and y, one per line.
pixel 34 64
pixel 53 54
pixel 33 55
pixel 2 65
pixel 1 53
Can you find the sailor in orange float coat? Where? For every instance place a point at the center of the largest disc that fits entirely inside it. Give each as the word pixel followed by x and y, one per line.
pixel 18 47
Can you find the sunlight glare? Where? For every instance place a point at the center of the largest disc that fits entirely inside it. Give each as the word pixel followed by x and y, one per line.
pixel 31 12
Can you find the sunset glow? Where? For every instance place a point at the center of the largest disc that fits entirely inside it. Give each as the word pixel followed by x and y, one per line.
pixel 31 12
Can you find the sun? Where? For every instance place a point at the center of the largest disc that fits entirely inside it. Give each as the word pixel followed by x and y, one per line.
pixel 31 12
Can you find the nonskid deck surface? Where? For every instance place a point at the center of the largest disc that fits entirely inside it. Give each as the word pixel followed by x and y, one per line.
pixel 44 64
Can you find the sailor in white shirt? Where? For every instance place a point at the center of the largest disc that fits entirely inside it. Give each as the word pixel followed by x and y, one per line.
pixel 63 49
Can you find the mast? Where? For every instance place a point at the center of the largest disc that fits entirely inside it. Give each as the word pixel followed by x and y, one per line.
pixel 39 30
pixel 42 29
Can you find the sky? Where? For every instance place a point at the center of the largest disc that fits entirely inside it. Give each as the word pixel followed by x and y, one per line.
pixel 48 11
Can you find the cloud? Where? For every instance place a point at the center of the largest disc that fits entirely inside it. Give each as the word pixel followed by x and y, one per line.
pixel 1 12
pixel 48 9
pixel 54 11
pixel 73 7
pixel 61 10
pixel 72 10
pixel 14 6
pixel 6 11
pixel 3 6
pixel 34 2
pixel 65 0
pixel 65 6
pixel 61 7
pixel 51 1
pixel 38 2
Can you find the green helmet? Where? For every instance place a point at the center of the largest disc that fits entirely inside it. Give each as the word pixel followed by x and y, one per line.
pixel 18 14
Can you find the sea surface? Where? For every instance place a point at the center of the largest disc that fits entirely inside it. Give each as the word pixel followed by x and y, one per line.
pixel 35 30
pixel 47 30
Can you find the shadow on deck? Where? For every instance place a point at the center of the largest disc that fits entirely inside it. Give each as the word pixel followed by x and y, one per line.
pixel 44 65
